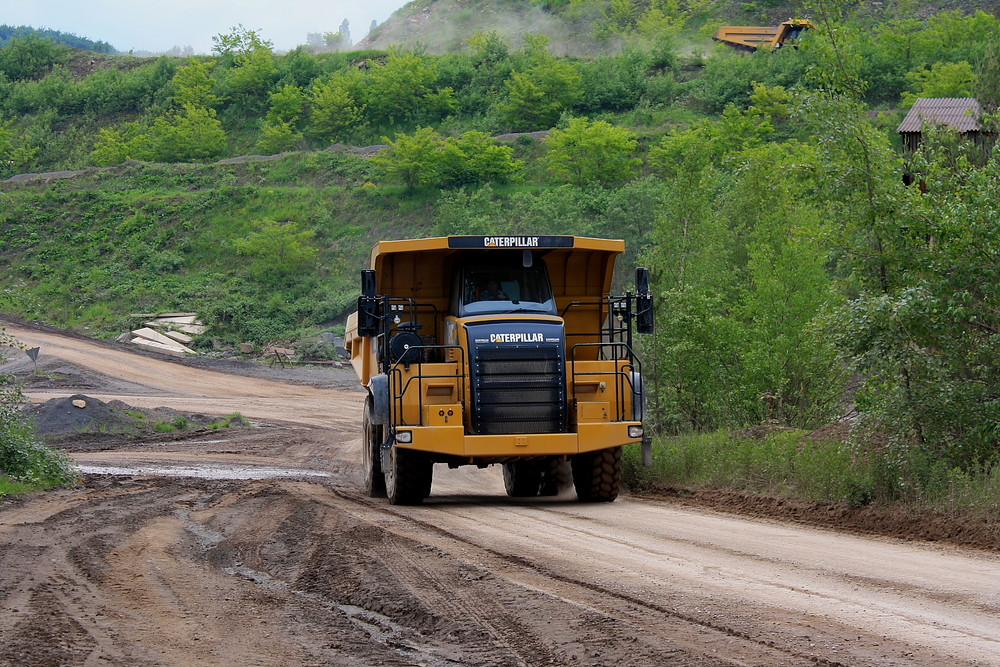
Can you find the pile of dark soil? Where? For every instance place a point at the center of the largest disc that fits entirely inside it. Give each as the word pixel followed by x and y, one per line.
pixel 81 420
pixel 76 414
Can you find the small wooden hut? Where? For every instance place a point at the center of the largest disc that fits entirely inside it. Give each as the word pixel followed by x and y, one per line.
pixel 959 113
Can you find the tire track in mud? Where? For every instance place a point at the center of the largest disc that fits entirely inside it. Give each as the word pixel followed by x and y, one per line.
pixel 656 633
pixel 151 571
pixel 761 632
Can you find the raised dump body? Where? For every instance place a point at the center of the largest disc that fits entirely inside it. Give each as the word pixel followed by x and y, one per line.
pixel 751 38
pixel 511 350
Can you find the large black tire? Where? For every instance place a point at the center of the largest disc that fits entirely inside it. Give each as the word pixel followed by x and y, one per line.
pixel 522 479
pixel 408 478
pixel 371 443
pixel 556 475
pixel 597 476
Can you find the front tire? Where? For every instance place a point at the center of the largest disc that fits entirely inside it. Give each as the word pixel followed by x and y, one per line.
pixel 597 475
pixel 408 477
pixel 371 454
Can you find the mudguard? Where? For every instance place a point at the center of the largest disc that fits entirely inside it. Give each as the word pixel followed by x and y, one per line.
pixel 379 389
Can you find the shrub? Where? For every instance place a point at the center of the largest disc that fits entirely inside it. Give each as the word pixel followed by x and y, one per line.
pixel 22 457
pixel 29 56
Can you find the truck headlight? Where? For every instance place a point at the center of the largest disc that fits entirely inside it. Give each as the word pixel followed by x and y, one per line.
pixel 406 437
pixel 635 431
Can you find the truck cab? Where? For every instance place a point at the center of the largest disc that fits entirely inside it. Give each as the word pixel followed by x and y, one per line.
pixel 510 350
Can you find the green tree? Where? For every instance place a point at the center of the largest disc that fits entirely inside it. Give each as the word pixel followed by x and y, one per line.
pixel 487 49
pixel 414 159
pixel 287 104
pixel 251 74
pixel 592 152
pixel 475 158
pixel 988 77
pixel 278 137
pixel 193 133
pixel 278 250
pixel 248 67
pixel 30 56
pixel 115 146
pixel 193 85
pixel 537 97
pixel 336 112
pixel 280 130
pixel 741 276
pixel 240 41
pixel 403 88
pixel 940 80
pixel 16 150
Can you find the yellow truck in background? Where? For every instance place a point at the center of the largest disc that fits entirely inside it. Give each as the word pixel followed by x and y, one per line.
pixel 751 38
pixel 510 350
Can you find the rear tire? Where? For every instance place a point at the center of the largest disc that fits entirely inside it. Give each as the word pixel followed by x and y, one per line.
pixel 556 475
pixel 408 478
pixel 522 479
pixel 371 443
pixel 597 476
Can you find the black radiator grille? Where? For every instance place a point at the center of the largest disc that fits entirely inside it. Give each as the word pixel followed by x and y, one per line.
pixel 519 390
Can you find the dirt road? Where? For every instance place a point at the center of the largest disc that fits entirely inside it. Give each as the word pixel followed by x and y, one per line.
pixel 255 547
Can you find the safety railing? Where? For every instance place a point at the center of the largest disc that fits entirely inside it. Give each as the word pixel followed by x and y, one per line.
pixel 403 378
pixel 623 377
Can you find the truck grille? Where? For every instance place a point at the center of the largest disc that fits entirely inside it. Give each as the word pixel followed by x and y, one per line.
pixel 519 390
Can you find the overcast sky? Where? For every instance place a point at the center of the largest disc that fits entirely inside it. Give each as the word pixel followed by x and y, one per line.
pixel 159 25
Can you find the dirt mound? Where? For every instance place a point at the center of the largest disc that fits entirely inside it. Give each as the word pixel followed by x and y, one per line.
pixel 83 422
pixel 75 414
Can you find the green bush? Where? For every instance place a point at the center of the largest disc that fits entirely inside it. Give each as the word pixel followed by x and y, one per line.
pixel 29 56
pixel 22 457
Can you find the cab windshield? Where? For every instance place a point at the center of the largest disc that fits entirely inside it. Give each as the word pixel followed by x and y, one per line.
pixel 505 289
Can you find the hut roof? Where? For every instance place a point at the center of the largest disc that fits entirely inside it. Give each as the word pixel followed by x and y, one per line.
pixel 960 113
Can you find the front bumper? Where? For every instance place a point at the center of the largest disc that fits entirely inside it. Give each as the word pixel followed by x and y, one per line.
pixel 452 440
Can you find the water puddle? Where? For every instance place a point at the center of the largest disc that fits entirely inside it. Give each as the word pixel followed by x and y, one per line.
pixel 208 471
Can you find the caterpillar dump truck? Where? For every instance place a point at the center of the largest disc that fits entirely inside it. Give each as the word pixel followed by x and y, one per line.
pixel 751 38
pixel 509 350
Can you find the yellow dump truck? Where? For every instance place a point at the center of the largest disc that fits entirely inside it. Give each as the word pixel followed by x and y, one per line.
pixel 751 38
pixel 510 350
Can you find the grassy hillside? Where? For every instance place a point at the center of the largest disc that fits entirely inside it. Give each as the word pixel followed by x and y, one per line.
pixel 86 249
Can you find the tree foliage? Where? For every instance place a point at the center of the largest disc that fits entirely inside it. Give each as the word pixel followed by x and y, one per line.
pixel 540 89
pixel 426 158
pixel 940 80
pixel 190 134
pixel 193 85
pixel 592 152
pixel 742 278
pixel 404 89
pixel 31 55
pixel 278 250
pixel 336 113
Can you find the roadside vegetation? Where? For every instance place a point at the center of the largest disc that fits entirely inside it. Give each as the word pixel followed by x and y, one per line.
pixel 799 282
pixel 25 464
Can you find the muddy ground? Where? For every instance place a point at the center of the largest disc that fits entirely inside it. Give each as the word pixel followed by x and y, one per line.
pixel 254 546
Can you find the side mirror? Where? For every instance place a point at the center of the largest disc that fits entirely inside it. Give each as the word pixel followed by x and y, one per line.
pixel 368 305
pixel 368 285
pixel 643 302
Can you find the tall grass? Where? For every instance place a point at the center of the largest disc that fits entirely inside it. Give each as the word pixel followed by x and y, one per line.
pixel 791 464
